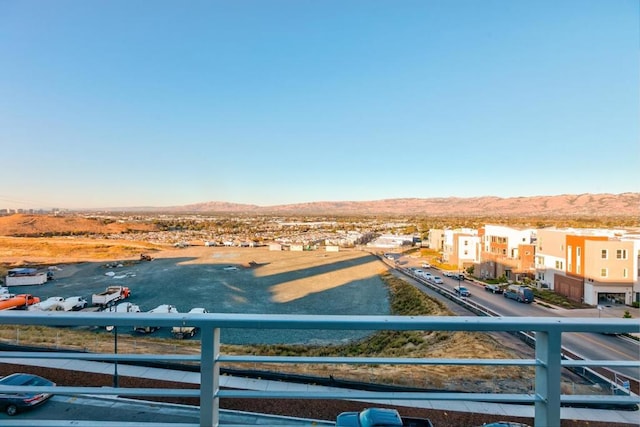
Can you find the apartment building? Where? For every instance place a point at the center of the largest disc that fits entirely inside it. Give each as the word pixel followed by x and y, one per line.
pixel 460 247
pixel 593 266
pixel 550 261
pixel 506 251
pixel 436 239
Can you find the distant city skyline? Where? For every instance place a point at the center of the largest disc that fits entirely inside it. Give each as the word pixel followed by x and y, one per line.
pixel 131 104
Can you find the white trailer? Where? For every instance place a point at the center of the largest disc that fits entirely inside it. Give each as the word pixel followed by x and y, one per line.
pixel 187 331
pixel 164 308
pixel 60 304
pixel 123 307
pixel 25 277
pixel 50 304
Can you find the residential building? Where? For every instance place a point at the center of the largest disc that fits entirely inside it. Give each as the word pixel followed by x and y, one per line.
pixel 461 247
pixel 506 251
pixel 589 265
pixel 436 239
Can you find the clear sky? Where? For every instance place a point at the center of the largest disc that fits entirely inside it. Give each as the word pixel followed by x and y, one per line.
pixel 122 103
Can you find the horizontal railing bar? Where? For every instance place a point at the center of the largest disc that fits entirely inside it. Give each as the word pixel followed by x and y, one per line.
pixel 342 322
pixel 306 360
pixel 99 356
pixel 600 399
pixel 612 363
pixel 376 360
pixel 376 396
pixel 115 391
pixel 81 423
pixel 452 396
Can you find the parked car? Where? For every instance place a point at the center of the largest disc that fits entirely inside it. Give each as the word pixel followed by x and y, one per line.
pixel 447 273
pixel 426 265
pixel 493 289
pixel 13 402
pixel 462 291
pixel 379 417
pixel 437 280
pixel 505 424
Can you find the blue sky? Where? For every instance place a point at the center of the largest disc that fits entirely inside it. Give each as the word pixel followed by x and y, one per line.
pixel 161 103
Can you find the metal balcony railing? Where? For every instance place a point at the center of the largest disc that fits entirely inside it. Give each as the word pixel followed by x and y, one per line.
pixel 548 362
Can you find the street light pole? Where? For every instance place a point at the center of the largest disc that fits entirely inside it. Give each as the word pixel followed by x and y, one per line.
pixel 115 351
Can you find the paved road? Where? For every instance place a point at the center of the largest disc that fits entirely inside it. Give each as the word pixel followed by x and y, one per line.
pixel 588 346
pixel 96 411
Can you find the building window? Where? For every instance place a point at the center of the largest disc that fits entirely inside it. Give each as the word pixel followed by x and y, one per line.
pixel 578 251
pixel 625 273
pixel 466 252
pixel 604 272
pixel 621 254
pixel 605 254
pixel 578 269
pixel 466 243
pixel 558 265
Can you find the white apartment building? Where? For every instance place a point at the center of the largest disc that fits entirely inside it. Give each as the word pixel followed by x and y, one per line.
pixel 461 247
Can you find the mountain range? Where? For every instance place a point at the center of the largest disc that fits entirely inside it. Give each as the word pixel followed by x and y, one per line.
pixel 604 204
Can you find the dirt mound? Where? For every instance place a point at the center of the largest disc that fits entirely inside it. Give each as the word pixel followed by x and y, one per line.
pixel 24 225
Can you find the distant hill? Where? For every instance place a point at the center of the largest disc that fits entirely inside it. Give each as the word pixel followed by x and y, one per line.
pixel 625 204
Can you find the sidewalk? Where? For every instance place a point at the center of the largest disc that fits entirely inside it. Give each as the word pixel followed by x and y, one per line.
pixel 585 414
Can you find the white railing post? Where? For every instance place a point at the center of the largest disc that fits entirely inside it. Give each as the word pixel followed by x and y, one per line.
pixel 549 359
pixel 209 377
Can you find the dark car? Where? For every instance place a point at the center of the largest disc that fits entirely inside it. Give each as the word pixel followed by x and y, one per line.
pixel 494 289
pixel 462 291
pixel 13 401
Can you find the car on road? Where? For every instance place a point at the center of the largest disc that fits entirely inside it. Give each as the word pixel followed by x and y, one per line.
pixel 493 289
pixel 462 291
pixel 13 402
pixel 426 265
pixel 437 280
